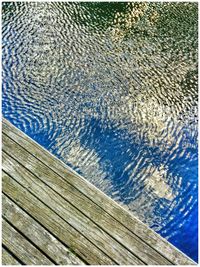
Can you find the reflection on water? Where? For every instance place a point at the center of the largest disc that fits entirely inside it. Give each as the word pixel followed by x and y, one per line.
pixel 111 89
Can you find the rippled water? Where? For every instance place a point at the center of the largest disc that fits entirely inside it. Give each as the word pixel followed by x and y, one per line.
pixel 111 89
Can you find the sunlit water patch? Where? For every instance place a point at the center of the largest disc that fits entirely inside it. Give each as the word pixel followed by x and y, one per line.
pixel 111 89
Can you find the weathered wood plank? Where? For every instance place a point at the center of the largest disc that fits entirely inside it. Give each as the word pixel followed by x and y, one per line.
pixel 8 259
pixel 21 247
pixel 53 222
pixel 37 234
pixel 85 205
pixel 69 213
pixel 110 206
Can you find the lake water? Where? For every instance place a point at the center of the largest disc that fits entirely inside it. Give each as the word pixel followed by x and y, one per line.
pixel 111 90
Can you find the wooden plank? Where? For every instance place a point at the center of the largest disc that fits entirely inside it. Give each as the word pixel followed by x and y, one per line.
pixel 21 247
pixel 127 219
pixel 69 213
pixel 37 234
pixel 8 259
pixel 53 222
pixel 85 205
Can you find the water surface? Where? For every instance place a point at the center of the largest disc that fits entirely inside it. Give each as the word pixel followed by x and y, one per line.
pixel 111 89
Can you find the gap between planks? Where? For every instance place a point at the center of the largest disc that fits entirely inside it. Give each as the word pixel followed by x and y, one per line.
pixel 97 199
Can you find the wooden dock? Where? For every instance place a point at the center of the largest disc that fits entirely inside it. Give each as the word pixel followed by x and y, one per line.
pixel 53 216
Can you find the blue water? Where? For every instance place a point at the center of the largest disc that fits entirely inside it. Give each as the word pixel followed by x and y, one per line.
pixel 111 89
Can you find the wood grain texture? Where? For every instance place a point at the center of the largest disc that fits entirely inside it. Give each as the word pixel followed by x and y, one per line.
pixel 85 193
pixel 8 259
pixel 53 222
pixel 44 240
pixel 21 247
pixel 69 213
pixel 85 205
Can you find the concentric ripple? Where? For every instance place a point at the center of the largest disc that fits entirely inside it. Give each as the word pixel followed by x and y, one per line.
pixel 111 89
